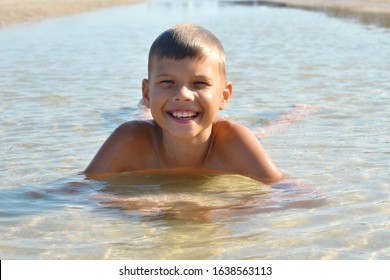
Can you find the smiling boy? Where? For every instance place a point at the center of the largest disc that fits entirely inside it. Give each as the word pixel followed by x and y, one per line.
pixel 185 89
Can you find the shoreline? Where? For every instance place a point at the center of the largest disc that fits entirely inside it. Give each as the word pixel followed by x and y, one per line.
pixel 357 6
pixel 24 11
pixel 376 12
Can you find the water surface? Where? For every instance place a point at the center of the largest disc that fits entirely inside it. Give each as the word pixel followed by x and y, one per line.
pixel 66 83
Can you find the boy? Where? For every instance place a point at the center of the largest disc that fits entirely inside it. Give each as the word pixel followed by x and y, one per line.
pixel 185 89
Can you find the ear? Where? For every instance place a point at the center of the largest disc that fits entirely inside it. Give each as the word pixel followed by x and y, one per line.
pixel 226 95
pixel 145 93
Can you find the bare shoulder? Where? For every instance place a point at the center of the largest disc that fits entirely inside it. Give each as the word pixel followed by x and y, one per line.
pixel 134 136
pixel 226 130
pixel 235 137
pixel 120 151
pixel 242 152
pixel 135 128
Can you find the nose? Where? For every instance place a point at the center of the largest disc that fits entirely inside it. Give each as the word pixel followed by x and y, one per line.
pixel 183 94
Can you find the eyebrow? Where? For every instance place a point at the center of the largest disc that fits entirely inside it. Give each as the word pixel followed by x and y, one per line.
pixel 200 76
pixel 197 76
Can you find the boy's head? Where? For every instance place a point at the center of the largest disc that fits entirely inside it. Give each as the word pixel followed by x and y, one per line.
pixel 187 41
pixel 186 63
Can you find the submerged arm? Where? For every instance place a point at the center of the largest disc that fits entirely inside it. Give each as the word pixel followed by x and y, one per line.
pixel 297 113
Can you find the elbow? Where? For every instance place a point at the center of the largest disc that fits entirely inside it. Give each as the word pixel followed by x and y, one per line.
pixel 271 177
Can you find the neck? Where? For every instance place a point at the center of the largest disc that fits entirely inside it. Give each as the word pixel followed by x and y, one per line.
pixel 186 153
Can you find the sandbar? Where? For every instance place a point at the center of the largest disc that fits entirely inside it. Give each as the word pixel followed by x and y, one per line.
pixel 21 11
pixel 372 6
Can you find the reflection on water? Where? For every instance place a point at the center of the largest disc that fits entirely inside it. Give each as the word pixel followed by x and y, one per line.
pixel 200 197
pixel 377 18
pixel 154 207
pixel 366 17
pixel 255 3
pixel 66 83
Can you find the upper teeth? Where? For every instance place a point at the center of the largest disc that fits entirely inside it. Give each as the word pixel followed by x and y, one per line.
pixel 183 114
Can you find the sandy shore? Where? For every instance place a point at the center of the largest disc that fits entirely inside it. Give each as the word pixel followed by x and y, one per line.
pixel 17 11
pixel 368 6
pixel 366 11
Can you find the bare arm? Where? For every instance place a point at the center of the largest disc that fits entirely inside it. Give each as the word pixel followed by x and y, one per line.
pixel 246 155
pixel 110 157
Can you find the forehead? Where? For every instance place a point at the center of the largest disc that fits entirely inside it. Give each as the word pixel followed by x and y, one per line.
pixel 207 67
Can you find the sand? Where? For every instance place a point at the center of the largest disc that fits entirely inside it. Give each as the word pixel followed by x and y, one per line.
pixel 372 12
pixel 367 6
pixel 18 11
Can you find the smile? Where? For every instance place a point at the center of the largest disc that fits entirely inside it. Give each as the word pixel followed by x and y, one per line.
pixel 184 115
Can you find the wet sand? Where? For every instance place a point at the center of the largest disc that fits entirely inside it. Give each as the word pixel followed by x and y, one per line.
pixel 372 6
pixel 375 12
pixel 18 11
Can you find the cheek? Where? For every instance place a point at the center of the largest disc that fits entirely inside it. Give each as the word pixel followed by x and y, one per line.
pixel 210 102
pixel 155 106
pixel 156 96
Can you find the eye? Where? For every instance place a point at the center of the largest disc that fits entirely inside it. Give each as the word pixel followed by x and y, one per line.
pixel 200 84
pixel 166 83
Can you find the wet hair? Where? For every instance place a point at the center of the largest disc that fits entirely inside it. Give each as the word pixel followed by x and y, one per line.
pixel 187 41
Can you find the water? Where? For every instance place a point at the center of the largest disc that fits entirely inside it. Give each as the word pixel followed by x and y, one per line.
pixel 66 83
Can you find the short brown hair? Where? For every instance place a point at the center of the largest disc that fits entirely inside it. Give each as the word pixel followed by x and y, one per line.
pixel 187 40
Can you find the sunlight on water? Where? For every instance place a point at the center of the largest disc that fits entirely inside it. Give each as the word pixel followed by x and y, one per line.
pixel 145 215
pixel 66 83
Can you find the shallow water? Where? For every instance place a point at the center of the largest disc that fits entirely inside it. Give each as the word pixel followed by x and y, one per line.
pixel 66 83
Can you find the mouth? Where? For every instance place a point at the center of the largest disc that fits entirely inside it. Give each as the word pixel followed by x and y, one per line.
pixel 183 115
